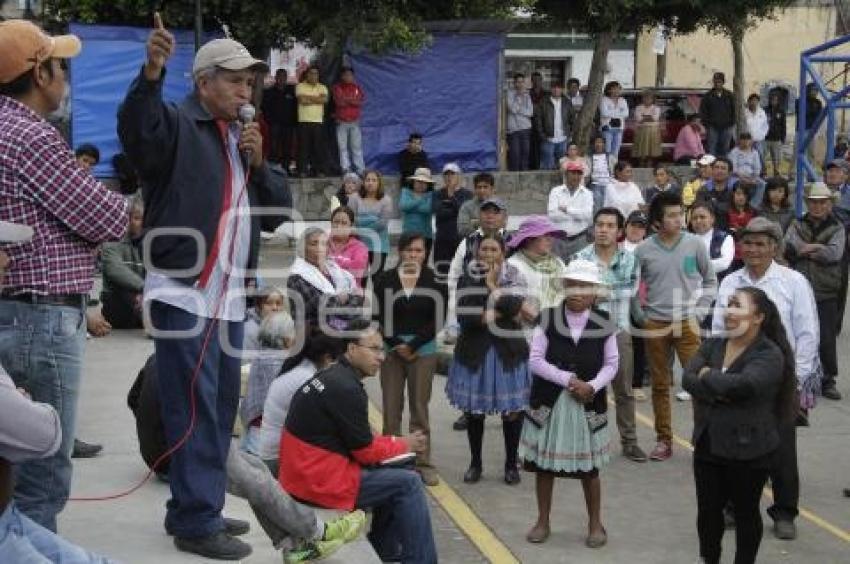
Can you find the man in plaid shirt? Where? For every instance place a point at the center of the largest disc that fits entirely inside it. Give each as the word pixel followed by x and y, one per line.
pixel 621 272
pixel 47 281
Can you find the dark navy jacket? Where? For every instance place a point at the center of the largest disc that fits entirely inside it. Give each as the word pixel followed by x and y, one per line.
pixel 177 150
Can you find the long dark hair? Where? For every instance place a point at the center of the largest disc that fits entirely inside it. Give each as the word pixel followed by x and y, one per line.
pixel 772 328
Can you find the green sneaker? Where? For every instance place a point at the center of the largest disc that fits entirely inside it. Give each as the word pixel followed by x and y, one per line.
pixel 347 528
pixel 312 551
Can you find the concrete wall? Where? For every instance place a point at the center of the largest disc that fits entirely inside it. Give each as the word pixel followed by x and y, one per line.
pixel 526 193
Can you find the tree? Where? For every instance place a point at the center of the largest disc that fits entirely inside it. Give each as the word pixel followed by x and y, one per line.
pixel 733 18
pixel 604 20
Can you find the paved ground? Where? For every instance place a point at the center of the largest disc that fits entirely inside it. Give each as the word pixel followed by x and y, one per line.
pixel 649 509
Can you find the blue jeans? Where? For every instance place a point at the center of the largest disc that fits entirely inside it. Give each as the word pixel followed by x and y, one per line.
pixel 519 149
pixel 613 139
pixel 23 540
pixel 348 138
pixel 401 523
pixel 550 153
pixel 758 193
pixel 197 474
pixel 598 191
pixel 719 140
pixel 41 347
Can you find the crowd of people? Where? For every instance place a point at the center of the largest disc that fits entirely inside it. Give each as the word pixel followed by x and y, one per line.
pixel 608 287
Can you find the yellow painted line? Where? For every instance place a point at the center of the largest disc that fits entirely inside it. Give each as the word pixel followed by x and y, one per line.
pixel 805 513
pixel 464 517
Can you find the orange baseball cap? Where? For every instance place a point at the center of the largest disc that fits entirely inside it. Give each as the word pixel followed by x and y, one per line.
pixel 24 45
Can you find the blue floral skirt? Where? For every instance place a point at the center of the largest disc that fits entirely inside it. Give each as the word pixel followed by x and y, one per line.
pixel 491 388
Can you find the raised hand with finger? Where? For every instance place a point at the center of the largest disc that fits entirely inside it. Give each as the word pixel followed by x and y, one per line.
pixel 160 47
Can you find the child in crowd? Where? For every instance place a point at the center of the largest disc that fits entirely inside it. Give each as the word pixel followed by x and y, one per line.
pixel 663 183
pixel 276 336
pixel 622 193
pixel 599 167
pixel 573 358
pixel 574 156
pixel 267 300
pixel 739 215
pixel 776 206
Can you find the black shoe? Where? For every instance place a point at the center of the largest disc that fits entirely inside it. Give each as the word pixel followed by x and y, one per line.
pixel 511 475
pixel 236 527
pixel 784 529
pixel 85 450
pixel 218 546
pixel 461 423
pixel 472 475
pixel 831 392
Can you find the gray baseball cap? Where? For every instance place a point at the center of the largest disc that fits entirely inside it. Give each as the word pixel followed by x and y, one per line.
pixel 497 203
pixel 226 54
pixel 763 226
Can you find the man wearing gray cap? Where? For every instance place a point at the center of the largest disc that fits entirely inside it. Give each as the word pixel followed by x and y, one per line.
pixel 761 241
pixel 203 175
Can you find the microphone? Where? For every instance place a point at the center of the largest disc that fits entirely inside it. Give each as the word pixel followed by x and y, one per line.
pixel 247 113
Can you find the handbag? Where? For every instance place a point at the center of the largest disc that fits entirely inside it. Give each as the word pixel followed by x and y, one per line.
pixel 615 122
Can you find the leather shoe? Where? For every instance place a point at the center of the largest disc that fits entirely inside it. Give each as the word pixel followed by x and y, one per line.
pixel 472 475
pixel 511 475
pixel 784 529
pixel 634 453
pixel 218 546
pixel 236 527
pixel 460 424
pixel 831 392
pixel 85 450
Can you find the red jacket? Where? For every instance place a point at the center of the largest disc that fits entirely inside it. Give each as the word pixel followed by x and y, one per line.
pixel 348 100
pixel 327 439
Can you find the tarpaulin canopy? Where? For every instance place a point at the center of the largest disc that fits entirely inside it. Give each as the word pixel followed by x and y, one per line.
pixel 449 93
pixel 111 59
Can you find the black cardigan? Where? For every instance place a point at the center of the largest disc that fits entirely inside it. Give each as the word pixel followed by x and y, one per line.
pixel 737 408
pixel 475 337
pixel 422 314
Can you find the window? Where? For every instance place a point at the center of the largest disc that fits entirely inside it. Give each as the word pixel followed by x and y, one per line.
pixel 553 70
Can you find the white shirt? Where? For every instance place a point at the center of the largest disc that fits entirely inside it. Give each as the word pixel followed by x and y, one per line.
pixel 577 101
pixel 558 126
pixel 625 196
pixel 276 407
pixel 757 123
pixel 792 294
pixel 202 302
pixel 727 251
pixel 608 109
pixel 578 216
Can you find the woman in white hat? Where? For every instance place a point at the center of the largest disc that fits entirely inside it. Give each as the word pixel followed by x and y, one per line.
pixel 415 206
pixel 573 357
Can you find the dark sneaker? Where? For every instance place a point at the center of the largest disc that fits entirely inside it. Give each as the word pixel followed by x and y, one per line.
pixel 85 450
pixel 512 475
pixel 784 529
pixel 460 424
pixel 662 451
pixel 831 392
pixel 634 453
pixel 236 527
pixel 219 546
pixel 472 475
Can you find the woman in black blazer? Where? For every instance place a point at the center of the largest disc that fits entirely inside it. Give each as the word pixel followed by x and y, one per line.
pixel 411 310
pixel 742 385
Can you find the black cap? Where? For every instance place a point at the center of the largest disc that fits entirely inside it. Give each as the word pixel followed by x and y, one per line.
pixel 637 216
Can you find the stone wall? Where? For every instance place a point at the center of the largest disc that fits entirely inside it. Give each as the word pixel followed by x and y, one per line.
pixel 526 193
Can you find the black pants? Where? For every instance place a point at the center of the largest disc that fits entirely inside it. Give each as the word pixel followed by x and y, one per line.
pixel 784 477
pixel 444 252
pixel 119 310
pixel 283 143
pixel 312 148
pixel 377 263
pixel 828 317
pixel 717 483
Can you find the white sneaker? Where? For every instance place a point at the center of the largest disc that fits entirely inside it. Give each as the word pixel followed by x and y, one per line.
pixel 683 396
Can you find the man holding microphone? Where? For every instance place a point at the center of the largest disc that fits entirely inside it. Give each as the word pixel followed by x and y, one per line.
pixel 203 175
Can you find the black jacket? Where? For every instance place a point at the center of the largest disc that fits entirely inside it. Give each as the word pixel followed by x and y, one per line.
pixel 408 163
pixel 737 408
pixel 422 314
pixel 544 117
pixel 775 124
pixel 280 107
pixel 445 210
pixel 717 110
pixel 177 150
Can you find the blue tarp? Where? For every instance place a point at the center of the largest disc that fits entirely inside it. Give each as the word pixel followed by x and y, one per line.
pixel 449 92
pixel 111 58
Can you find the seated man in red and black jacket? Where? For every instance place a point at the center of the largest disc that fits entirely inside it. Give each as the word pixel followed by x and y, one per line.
pixel 329 457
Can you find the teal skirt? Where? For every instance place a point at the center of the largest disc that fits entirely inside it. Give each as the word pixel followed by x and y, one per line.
pixel 564 444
